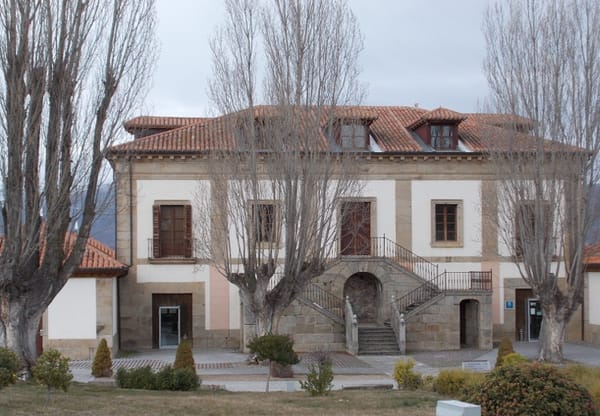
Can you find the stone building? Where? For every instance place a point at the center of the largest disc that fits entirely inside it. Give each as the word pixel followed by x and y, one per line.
pixel 427 252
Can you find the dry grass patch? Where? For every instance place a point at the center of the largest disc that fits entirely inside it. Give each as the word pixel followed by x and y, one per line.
pixel 27 399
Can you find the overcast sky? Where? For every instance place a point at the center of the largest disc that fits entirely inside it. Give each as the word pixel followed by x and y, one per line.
pixel 425 52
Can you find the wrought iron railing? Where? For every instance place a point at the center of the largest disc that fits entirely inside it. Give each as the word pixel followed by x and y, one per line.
pixel 444 283
pixel 179 249
pixel 388 249
pixel 323 299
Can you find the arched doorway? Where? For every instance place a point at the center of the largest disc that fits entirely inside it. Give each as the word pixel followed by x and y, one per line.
pixel 364 291
pixel 469 323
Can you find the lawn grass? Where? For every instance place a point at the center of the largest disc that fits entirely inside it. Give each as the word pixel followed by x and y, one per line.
pixel 29 399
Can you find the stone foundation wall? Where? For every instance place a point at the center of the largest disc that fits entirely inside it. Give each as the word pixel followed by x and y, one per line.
pixel 311 330
pixel 437 327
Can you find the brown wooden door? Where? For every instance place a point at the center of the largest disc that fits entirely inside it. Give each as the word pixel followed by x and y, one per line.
pixel 356 229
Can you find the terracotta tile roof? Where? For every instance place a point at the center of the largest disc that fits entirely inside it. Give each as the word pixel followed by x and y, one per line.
pixel 592 255
pixel 98 259
pixel 391 127
pixel 155 122
pixel 440 114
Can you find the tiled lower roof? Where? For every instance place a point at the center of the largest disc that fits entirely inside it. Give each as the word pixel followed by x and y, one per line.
pixel 97 259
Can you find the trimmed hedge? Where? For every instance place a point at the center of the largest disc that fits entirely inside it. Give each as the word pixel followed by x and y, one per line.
pixel 167 378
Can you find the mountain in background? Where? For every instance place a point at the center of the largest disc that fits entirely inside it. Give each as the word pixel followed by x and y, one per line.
pixel 103 228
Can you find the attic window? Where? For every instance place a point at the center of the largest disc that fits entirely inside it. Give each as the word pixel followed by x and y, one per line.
pixel 353 135
pixel 442 137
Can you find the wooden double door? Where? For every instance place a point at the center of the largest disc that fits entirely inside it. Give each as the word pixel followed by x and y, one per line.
pixel 355 233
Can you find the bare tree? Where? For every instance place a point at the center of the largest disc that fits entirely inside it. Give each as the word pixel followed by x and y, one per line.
pixel 71 72
pixel 543 64
pixel 275 191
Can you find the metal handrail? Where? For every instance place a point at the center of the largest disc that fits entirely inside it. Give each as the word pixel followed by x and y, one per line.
pixel 388 249
pixel 443 283
pixel 323 299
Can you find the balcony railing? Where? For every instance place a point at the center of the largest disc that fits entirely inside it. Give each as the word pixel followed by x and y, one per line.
pixel 175 250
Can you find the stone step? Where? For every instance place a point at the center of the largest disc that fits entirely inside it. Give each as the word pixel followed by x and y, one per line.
pixel 379 340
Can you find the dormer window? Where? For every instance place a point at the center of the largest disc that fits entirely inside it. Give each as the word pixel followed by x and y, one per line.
pixel 442 137
pixel 353 135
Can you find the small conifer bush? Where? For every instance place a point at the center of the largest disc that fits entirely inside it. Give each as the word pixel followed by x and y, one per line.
pixel 504 349
pixel 9 367
pixel 514 358
pixel 404 375
pixel 184 357
pixel 52 370
pixel 102 366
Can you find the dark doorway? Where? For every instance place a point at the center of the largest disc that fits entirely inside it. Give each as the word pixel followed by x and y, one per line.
pixel 534 321
pixel 39 339
pixel 469 323
pixel 356 228
pixel 363 290
pixel 171 319
pixel 522 313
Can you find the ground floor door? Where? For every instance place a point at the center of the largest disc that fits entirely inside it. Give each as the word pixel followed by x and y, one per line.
pixel 171 319
pixel 169 326
pixel 534 321
pixel 469 323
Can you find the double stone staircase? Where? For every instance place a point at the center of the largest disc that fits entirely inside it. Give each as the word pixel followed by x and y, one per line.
pixel 382 340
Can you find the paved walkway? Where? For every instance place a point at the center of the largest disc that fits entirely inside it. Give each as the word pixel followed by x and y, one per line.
pixel 231 371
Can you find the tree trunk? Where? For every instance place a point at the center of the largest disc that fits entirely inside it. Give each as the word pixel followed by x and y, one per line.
pixel 552 335
pixel 19 324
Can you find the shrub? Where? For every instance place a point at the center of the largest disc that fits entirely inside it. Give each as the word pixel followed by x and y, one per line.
pixel 52 370
pixel 185 379
pixel 102 366
pixel 9 367
pixel 276 348
pixel 319 378
pixel 588 377
pixel 504 349
pixel 404 375
pixel 136 378
pixel 184 357
pixel 533 389
pixel 514 358
pixel 168 378
pixel 458 383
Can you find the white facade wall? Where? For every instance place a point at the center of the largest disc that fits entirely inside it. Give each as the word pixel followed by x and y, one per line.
pixel 592 301
pixel 150 191
pixel 72 313
pixel 384 193
pixel 423 192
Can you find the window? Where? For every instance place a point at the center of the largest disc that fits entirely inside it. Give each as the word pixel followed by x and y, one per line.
pixel 264 222
pixel 353 135
pixel 172 231
pixel 446 223
pixel 442 137
pixel 526 221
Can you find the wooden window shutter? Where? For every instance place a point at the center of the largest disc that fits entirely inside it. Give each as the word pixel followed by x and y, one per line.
pixel 156 231
pixel 188 230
